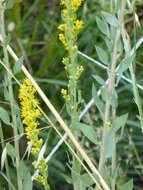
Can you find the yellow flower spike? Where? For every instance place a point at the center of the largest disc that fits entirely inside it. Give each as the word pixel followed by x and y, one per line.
pixel 29 114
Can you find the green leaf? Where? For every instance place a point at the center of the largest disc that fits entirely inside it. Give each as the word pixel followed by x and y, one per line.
pixel 3 157
pixel 105 94
pixel 10 150
pixel 10 4
pixel 20 125
pixel 103 26
pixel 6 93
pixel 124 65
pixel 25 176
pixel 67 178
pixel 97 101
pixel 110 144
pixel 27 182
pixel 89 132
pixel 87 180
pixel 103 56
pixel 127 186
pixel 4 116
pixel 110 18
pixel 18 65
pixel 99 79
pixel 114 99
pixel 119 122
pixel 109 44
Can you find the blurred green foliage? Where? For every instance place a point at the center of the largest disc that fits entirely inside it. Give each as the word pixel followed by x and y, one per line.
pixel 32 27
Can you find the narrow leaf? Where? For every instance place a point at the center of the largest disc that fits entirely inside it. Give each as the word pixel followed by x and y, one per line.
pixel 105 94
pixel 18 65
pixel 124 65
pixel 10 150
pixel 3 157
pixel 99 79
pixel 4 116
pixel 103 26
pixel 97 101
pixel 89 132
pixel 110 18
pixel 110 145
pixel 119 122
pixel 103 56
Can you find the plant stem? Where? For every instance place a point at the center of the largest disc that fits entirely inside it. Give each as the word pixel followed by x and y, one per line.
pixel 110 88
pixel 11 96
pixel 6 161
pixel 113 182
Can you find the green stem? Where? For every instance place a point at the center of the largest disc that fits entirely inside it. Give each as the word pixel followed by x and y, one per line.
pixel 6 161
pixel 110 87
pixel 113 182
pixel 11 96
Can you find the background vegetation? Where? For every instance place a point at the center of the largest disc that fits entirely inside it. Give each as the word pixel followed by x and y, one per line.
pixel 31 29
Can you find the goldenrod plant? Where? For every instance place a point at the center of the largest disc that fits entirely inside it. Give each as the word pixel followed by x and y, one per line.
pixel 82 60
pixel 30 114
pixel 70 28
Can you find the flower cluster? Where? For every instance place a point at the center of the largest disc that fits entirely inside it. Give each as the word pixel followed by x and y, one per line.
pixel 29 114
pixel 41 177
pixel 68 36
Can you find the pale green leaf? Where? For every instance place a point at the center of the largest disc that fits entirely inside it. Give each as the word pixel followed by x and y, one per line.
pixel 3 157
pixel 99 79
pixel 110 144
pixel 103 26
pixel 110 18
pixel 10 150
pixel 103 56
pixel 119 122
pixel 89 132
pixel 10 4
pixel 27 182
pixel 127 186
pixel 124 65
pixel 18 65
pixel 97 101
pixel 4 116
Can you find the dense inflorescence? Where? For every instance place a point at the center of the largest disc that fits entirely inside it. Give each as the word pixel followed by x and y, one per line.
pixel 68 36
pixel 29 114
